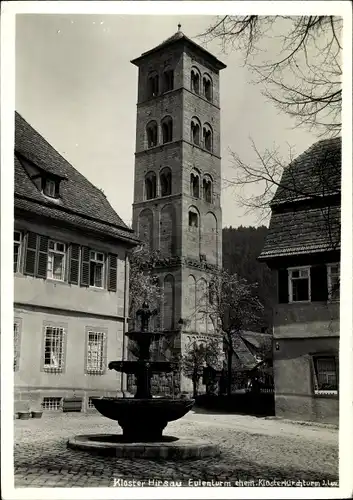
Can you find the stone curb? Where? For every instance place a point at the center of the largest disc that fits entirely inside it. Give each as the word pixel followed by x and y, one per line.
pixel 181 449
pixel 304 422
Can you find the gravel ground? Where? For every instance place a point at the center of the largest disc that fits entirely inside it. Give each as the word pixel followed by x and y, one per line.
pixel 252 449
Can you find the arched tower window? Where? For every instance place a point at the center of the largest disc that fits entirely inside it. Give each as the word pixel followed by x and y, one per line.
pixel 165 178
pixel 168 80
pixel 207 137
pixel 195 131
pixel 152 134
pixel 207 87
pixel 167 129
pixel 195 80
pixel 207 189
pixel 153 84
pixel 150 186
pixel 195 184
pixel 193 219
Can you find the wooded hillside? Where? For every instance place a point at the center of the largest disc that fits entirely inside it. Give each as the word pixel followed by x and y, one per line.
pixel 241 247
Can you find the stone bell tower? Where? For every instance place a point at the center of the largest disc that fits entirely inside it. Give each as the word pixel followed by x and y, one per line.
pixel 177 186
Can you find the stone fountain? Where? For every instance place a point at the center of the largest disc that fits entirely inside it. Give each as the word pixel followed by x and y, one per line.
pixel 143 418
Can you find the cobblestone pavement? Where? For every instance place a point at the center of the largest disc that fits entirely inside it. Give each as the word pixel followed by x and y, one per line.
pixel 252 449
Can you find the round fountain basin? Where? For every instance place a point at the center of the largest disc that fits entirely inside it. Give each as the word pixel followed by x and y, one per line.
pixel 167 448
pixel 143 419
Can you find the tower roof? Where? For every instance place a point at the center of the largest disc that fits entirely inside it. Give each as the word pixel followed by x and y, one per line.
pixel 180 37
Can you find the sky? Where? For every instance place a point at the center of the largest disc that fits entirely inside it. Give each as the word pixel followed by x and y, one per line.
pixel 76 86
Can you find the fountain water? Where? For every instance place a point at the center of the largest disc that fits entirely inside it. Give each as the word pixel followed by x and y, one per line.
pixel 143 418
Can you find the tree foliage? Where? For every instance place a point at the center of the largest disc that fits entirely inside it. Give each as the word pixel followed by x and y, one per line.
pixel 233 306
pixel 143 284
pixel 197 356
pixel 302 77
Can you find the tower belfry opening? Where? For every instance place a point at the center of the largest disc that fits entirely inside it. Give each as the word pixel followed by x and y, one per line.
pixel 178 179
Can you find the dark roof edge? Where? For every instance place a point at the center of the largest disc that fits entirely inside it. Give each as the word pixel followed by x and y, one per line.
pixel 130 241
pixel 79 214
pixel 219 64
pixel 289 201
pixel 265 257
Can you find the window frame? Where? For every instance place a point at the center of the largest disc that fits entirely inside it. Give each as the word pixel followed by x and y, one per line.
pixel 290 284
pixel 48 368
pixel 17 343
pixel 193 74
pixel 64 259
pixel 96 261
pixel 325 392
pixel 152 125
pixel 195 123
pixel 20 249
pixel 104 333
pixel 195 184
pixel 206 78
pixel 168 80
pixel 191 215
pixel 153 85
pixel 48 192
pixel 329 281
pixel 57 398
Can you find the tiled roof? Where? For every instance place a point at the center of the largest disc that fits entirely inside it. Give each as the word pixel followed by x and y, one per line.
pixel 244 358
pixel 306 209
pixel 80 203
pixel 179 35
pixel 302 232
pixel 315 173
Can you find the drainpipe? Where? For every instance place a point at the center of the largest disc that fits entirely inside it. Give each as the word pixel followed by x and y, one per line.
pixel 126 313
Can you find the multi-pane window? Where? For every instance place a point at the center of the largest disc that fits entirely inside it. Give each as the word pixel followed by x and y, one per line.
pixel 17 241
pixel 299 284
pixel 56 260
pixel 96 268
pixel 51 403
pixel 95 352
pixel 333 281
pixel 325 376
pixel 16 345
pixel 54 348
pixel 50 188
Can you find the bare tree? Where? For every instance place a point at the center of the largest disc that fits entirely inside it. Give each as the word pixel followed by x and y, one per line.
pixel 303 76
pixel 274 175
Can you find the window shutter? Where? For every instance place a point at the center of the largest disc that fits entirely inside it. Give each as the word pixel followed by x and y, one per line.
pixel 74 263
pixel 42 257
pixel 283 286
pixel 31 254
pixel 85 267
pixel 112 272
pixel 318 276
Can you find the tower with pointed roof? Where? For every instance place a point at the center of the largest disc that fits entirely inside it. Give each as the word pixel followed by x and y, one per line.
pixel 177 184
